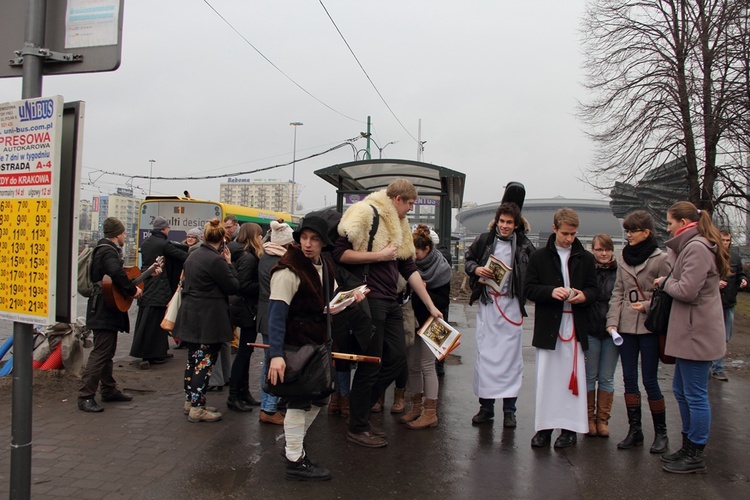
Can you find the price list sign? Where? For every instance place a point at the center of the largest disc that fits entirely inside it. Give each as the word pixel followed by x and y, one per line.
pixel 29 169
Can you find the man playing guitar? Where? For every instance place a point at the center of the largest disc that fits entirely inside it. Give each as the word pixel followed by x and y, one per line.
pixel 106 322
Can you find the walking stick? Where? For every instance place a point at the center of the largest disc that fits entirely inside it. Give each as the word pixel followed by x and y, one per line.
pixel 336 355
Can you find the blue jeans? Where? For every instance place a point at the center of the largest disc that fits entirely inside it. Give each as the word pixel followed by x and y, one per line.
pixel 647 345
pixel 601 362
pixel 509 405
pixel 267 401
pixel 690 388
pixel 718 365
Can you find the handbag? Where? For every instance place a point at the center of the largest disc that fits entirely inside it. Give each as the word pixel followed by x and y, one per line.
pixel 657 319
pixel 309 373
pixel 172 309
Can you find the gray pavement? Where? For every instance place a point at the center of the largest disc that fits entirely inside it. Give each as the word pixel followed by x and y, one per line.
pixel 147 449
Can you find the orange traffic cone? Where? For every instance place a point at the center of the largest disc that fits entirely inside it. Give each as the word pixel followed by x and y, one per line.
pixel 54 361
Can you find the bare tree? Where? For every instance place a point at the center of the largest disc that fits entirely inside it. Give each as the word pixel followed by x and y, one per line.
pixel 669 80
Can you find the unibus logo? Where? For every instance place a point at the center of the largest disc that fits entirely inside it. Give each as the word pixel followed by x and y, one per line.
pixel 37 110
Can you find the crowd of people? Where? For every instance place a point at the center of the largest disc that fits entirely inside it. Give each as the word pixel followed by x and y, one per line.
pixel 590 312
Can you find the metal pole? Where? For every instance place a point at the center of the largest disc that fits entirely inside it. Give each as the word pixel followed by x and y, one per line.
pixel 294 167
pixel 368 138
pixel 20 446
pixel 150 174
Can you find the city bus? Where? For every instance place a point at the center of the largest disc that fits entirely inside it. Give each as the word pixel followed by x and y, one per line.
pixel 185 214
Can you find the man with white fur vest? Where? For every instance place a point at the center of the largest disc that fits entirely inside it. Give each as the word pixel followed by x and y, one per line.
pixel 392 253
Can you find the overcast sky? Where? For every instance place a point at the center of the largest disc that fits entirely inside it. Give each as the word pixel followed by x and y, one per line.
pixel 494 82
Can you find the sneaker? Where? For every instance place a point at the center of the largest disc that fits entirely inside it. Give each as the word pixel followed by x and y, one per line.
pixel 186 408
pixel 201 414
pixel 720 376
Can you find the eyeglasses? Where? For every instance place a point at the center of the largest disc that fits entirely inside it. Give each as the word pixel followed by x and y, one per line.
pixel 633 231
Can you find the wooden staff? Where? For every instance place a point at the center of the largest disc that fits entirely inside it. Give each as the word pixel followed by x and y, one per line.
pixel 336 355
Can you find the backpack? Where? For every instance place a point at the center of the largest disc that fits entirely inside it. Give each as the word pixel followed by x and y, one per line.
pixel 86 286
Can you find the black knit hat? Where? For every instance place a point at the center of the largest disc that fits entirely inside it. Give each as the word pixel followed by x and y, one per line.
pixel 317 224
pixel 112 227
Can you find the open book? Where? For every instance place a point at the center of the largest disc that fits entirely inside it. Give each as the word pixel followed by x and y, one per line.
pixel 501 272
pixel 344 299
pixel 439 336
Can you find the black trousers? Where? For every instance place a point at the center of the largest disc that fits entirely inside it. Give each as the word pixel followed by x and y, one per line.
pixel 370 379
pixel 99 367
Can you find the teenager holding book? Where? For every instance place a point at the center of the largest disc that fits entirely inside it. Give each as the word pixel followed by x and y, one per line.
pixel 423 380
pixel 499 361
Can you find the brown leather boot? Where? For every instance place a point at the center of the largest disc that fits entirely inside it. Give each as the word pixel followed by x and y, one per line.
pixel 378 406
pixel 591 403
pixel 334 404
pixel 416 409
pixel 428 418
pixel 398 400
pixel 344 406
pixel 603 409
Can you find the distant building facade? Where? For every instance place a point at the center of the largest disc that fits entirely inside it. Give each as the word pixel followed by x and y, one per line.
pixel 265 194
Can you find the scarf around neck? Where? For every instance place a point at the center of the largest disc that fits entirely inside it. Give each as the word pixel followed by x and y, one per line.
pixel 634 255
pixel 434 269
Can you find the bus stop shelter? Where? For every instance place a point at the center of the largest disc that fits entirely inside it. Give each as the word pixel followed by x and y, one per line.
pixel 440 189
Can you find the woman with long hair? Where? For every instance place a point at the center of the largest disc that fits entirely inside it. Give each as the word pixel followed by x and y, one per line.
pixel 203 322
pixel 244 310
pixel 695 336
pixel 601 358
pixel 423 379
pixel 640 262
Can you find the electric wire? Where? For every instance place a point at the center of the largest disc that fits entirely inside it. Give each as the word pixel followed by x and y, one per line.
pixel 274 65
pixel 365 71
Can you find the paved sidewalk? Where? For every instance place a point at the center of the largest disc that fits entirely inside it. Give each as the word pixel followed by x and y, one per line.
pixel 147 449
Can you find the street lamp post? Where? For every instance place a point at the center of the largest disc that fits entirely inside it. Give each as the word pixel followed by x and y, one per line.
pixel 380 150
pixel 294 164
pixel 150 174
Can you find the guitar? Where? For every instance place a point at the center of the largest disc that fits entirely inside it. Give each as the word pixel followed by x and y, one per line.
pixel 118 300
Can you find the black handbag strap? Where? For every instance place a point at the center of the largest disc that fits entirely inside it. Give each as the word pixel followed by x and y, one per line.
pixel 327 298
pixel 373 230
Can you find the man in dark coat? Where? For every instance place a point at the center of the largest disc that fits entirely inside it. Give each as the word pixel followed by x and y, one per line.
pixel 150 341
pixel 561 280
pixel 106 322
pixel 728 288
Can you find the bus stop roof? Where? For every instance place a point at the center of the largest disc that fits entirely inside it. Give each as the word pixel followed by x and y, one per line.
pixel 373 175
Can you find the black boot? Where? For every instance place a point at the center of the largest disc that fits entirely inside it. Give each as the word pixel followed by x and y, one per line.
pixel 673 457
pixel 635 432
pixel 659 415
pixel 245 392
pixel 234 401
pixel 304 470
pixel 692 461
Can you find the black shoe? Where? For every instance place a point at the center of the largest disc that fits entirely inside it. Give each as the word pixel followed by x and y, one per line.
pixel 237 404
pixel 691 461
pixel 215 388
pixel 117 397
pixel 89 405
pixel 541 439
pixel 304 470
pixel 156 361
pixel 509 420
pixel 482 417
pixel 567 438
pixel 249 399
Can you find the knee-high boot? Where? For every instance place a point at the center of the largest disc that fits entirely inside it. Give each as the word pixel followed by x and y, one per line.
pixel 635 432
pixel 603 410
pixel 659 415
pixel 591 403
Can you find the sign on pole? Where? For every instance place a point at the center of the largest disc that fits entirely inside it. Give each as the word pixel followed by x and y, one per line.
pixel 30 133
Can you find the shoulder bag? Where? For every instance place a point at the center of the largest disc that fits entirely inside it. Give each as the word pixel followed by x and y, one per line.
pixel 309 372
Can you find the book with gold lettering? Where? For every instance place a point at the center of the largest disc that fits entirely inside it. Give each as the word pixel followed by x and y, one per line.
pixel 439 336
pixel 501 273
pixel 344 299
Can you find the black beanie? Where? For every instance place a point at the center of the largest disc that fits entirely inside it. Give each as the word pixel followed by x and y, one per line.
pixel 112 227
